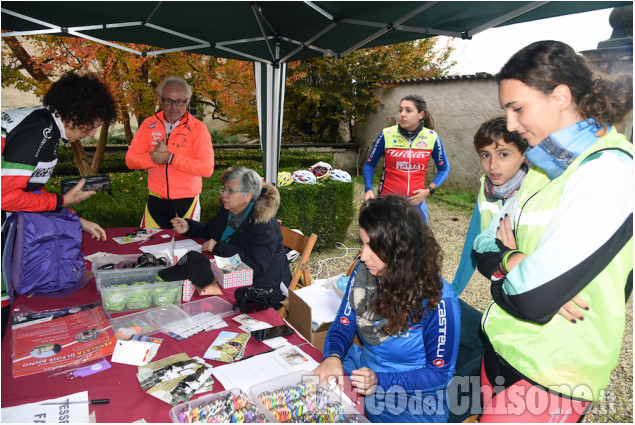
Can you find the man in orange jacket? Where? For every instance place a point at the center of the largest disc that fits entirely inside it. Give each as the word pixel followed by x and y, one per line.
pixel 177 151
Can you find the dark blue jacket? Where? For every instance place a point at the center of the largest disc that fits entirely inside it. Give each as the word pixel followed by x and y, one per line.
pixel 258 241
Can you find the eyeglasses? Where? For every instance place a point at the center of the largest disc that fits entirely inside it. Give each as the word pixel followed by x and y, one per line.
pixel 230 191
pixel 170 102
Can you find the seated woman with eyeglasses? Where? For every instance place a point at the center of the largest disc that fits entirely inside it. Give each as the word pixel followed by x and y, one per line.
pixel 246 225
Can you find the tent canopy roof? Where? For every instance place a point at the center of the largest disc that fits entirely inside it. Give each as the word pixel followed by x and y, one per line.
pixel 249 30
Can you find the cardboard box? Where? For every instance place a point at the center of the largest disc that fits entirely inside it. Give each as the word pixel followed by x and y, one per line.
pixel 242 276
pixel 300 318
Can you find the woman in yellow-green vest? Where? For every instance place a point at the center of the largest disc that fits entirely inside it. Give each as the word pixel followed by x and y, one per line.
pixel 561 256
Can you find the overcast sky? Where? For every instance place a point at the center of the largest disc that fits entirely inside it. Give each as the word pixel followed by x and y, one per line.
pixel 489 50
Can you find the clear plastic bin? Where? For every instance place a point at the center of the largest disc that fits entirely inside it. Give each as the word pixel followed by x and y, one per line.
pixel 115 259
pixel 137 289
pixel 214 305
pixel 154 320
pixel 349 414
pixel 197 412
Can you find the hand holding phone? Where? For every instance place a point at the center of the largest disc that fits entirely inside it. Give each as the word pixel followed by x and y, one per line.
pixel 272 332
pixel 99 183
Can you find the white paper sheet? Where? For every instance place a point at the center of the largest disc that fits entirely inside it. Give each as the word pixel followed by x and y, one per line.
pixel 51 413
pixel 246 373
pixel 324 303
pixel 182 246
pixel 278 342
pixel 135 353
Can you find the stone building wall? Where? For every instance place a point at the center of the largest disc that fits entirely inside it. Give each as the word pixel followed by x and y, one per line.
pixel 458 105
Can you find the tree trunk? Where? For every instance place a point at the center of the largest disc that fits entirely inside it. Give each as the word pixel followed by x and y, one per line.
pixel 83 165
pixel 25 59
pixel 101 148
pixel 127 129
pixel 125 117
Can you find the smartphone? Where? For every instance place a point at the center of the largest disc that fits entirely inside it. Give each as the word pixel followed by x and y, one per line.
pixel 273 332
pixel 100 183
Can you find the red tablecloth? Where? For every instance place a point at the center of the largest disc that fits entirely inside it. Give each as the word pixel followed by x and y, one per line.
pixel 128 402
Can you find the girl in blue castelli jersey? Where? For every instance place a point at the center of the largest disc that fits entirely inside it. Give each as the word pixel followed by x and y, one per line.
pixel 406 315
pixel 407 149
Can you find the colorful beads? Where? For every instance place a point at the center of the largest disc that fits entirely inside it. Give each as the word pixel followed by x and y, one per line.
pixel 233 408
pixel 303 403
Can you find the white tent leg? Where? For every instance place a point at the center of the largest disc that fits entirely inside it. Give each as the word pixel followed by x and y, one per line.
pixel 270 86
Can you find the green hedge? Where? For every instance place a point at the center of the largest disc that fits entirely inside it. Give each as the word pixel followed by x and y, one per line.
pixel 325 209
pixel 223 159
pixel 123 208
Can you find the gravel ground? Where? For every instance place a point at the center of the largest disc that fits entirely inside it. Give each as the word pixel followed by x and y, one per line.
pixel 450 228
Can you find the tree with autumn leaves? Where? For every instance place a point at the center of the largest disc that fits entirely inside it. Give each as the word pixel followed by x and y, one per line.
pixel 320 92
pixel 324 92
pixel 220 87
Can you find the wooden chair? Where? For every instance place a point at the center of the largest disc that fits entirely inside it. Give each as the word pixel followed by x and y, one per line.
pixel 304 245
pixel 356 260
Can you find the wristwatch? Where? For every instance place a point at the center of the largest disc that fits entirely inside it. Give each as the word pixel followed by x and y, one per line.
pixel 431 189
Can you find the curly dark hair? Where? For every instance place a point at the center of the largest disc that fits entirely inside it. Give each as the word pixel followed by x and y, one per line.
pixel 81 100
pixel 413 261
pixel 544 65
pixel 495 129
pixel 420 104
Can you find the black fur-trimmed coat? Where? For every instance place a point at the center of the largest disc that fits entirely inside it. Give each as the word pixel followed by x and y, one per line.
pixel 258 241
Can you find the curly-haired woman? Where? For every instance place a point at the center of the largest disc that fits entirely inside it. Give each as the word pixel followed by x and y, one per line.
pixel 74 107
pixel 565 241
pixel 407 317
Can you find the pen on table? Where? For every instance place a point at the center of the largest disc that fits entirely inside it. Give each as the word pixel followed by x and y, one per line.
pixel 97 401
pixel 146 240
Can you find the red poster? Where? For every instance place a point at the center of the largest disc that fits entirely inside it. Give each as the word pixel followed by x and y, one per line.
pixel 59 339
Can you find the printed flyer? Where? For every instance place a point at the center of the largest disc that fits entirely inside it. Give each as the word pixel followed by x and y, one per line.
pixel 227 347
pixel 58 339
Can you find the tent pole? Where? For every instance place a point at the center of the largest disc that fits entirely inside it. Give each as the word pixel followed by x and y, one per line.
pixel 270 87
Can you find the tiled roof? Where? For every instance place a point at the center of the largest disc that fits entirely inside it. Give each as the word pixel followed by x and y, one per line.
pixel 478 76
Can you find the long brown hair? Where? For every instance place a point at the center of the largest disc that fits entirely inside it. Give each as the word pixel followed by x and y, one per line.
pixel 544 65
pixel 413 261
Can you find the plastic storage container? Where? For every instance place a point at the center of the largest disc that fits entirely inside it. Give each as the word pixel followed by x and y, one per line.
pixel 346 413
pixel 116 259
pixel 228 406
pixel 137 289
pixel 154 320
